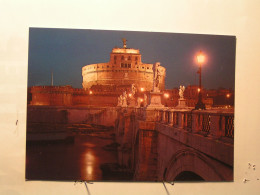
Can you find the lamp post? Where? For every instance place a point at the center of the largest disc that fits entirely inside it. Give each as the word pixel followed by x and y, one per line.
pixel 200 104
pixel 227 99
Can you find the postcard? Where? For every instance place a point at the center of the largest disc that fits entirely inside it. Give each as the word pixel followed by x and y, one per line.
pixel 130 106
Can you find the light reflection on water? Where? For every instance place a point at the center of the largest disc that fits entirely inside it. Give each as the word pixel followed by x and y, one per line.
pixel 90 161
pixel 78 161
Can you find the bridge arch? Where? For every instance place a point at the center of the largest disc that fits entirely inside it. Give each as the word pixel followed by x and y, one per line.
pixel 190 163
pixel 188 176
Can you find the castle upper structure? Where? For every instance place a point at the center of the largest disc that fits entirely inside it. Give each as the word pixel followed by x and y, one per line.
pixel 124 68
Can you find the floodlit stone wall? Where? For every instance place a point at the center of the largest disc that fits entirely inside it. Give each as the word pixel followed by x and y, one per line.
pixel 51 95
pixel 124 68
pixel 68 96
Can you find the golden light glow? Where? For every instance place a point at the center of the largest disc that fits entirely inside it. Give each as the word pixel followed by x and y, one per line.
pixel 166 95
pixel 228 95
pixel 198 89
pixel 130 95
pixel 200 58
pixel 141 100
pixel 125 50
pixel 142 89
pixel 90 92
pixel 89 160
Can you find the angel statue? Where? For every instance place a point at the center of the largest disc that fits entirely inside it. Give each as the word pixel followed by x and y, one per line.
pixel 124 99
pixel 156 76
pixel 133 89
pixel 120 100
pixel 181 92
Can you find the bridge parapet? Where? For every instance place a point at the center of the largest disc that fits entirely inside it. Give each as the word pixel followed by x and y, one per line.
pixel 215 123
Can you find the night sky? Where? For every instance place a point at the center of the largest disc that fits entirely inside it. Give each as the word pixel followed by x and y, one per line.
pixel 65 51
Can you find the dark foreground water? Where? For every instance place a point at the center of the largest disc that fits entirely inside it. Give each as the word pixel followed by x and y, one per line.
pixel 80 160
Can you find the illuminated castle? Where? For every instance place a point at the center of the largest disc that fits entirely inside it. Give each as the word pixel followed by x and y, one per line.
pixel 124 68
pixel 102 83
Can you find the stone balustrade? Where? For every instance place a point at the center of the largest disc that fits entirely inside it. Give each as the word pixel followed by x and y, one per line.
pixel 214 123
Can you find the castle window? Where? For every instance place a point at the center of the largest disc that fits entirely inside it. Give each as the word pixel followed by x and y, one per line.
pixel 129 65
pixel 136 58
pixel 114 57
pixel 107 66
pixel 147 67
pixel 122 58
pixel 135 62
pixel 142 67
pixel 129 57
pixel 122 65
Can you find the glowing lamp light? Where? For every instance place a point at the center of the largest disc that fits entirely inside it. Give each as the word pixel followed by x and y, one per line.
pixel 90 92
pixel 142 89
pixel 228 95
pixel 166 95
pixel 200 58
pixel 141 100
pixel 130 95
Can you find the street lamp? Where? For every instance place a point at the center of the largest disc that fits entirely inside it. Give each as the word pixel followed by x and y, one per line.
pixel 200 104
pixel 227 99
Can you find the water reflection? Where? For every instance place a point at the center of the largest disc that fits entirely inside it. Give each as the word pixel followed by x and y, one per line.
pixel 89 161
pixel 60 161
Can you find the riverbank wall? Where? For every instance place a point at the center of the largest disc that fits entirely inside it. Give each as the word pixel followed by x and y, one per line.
pixel 105 116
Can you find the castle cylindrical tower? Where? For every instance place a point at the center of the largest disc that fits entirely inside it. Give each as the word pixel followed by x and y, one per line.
pixel 124 68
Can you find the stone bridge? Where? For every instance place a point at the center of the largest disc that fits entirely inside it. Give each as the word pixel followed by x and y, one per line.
pixel 176 145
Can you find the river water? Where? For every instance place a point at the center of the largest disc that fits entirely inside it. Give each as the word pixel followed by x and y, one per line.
pixel 80 160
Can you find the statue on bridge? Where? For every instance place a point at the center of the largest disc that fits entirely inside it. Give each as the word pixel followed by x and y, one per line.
pixel 124 99
pixel 154 99
pixel 133 89
pixel 120 100
pixel 181 101
pixel 181 91
pixel 156 77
